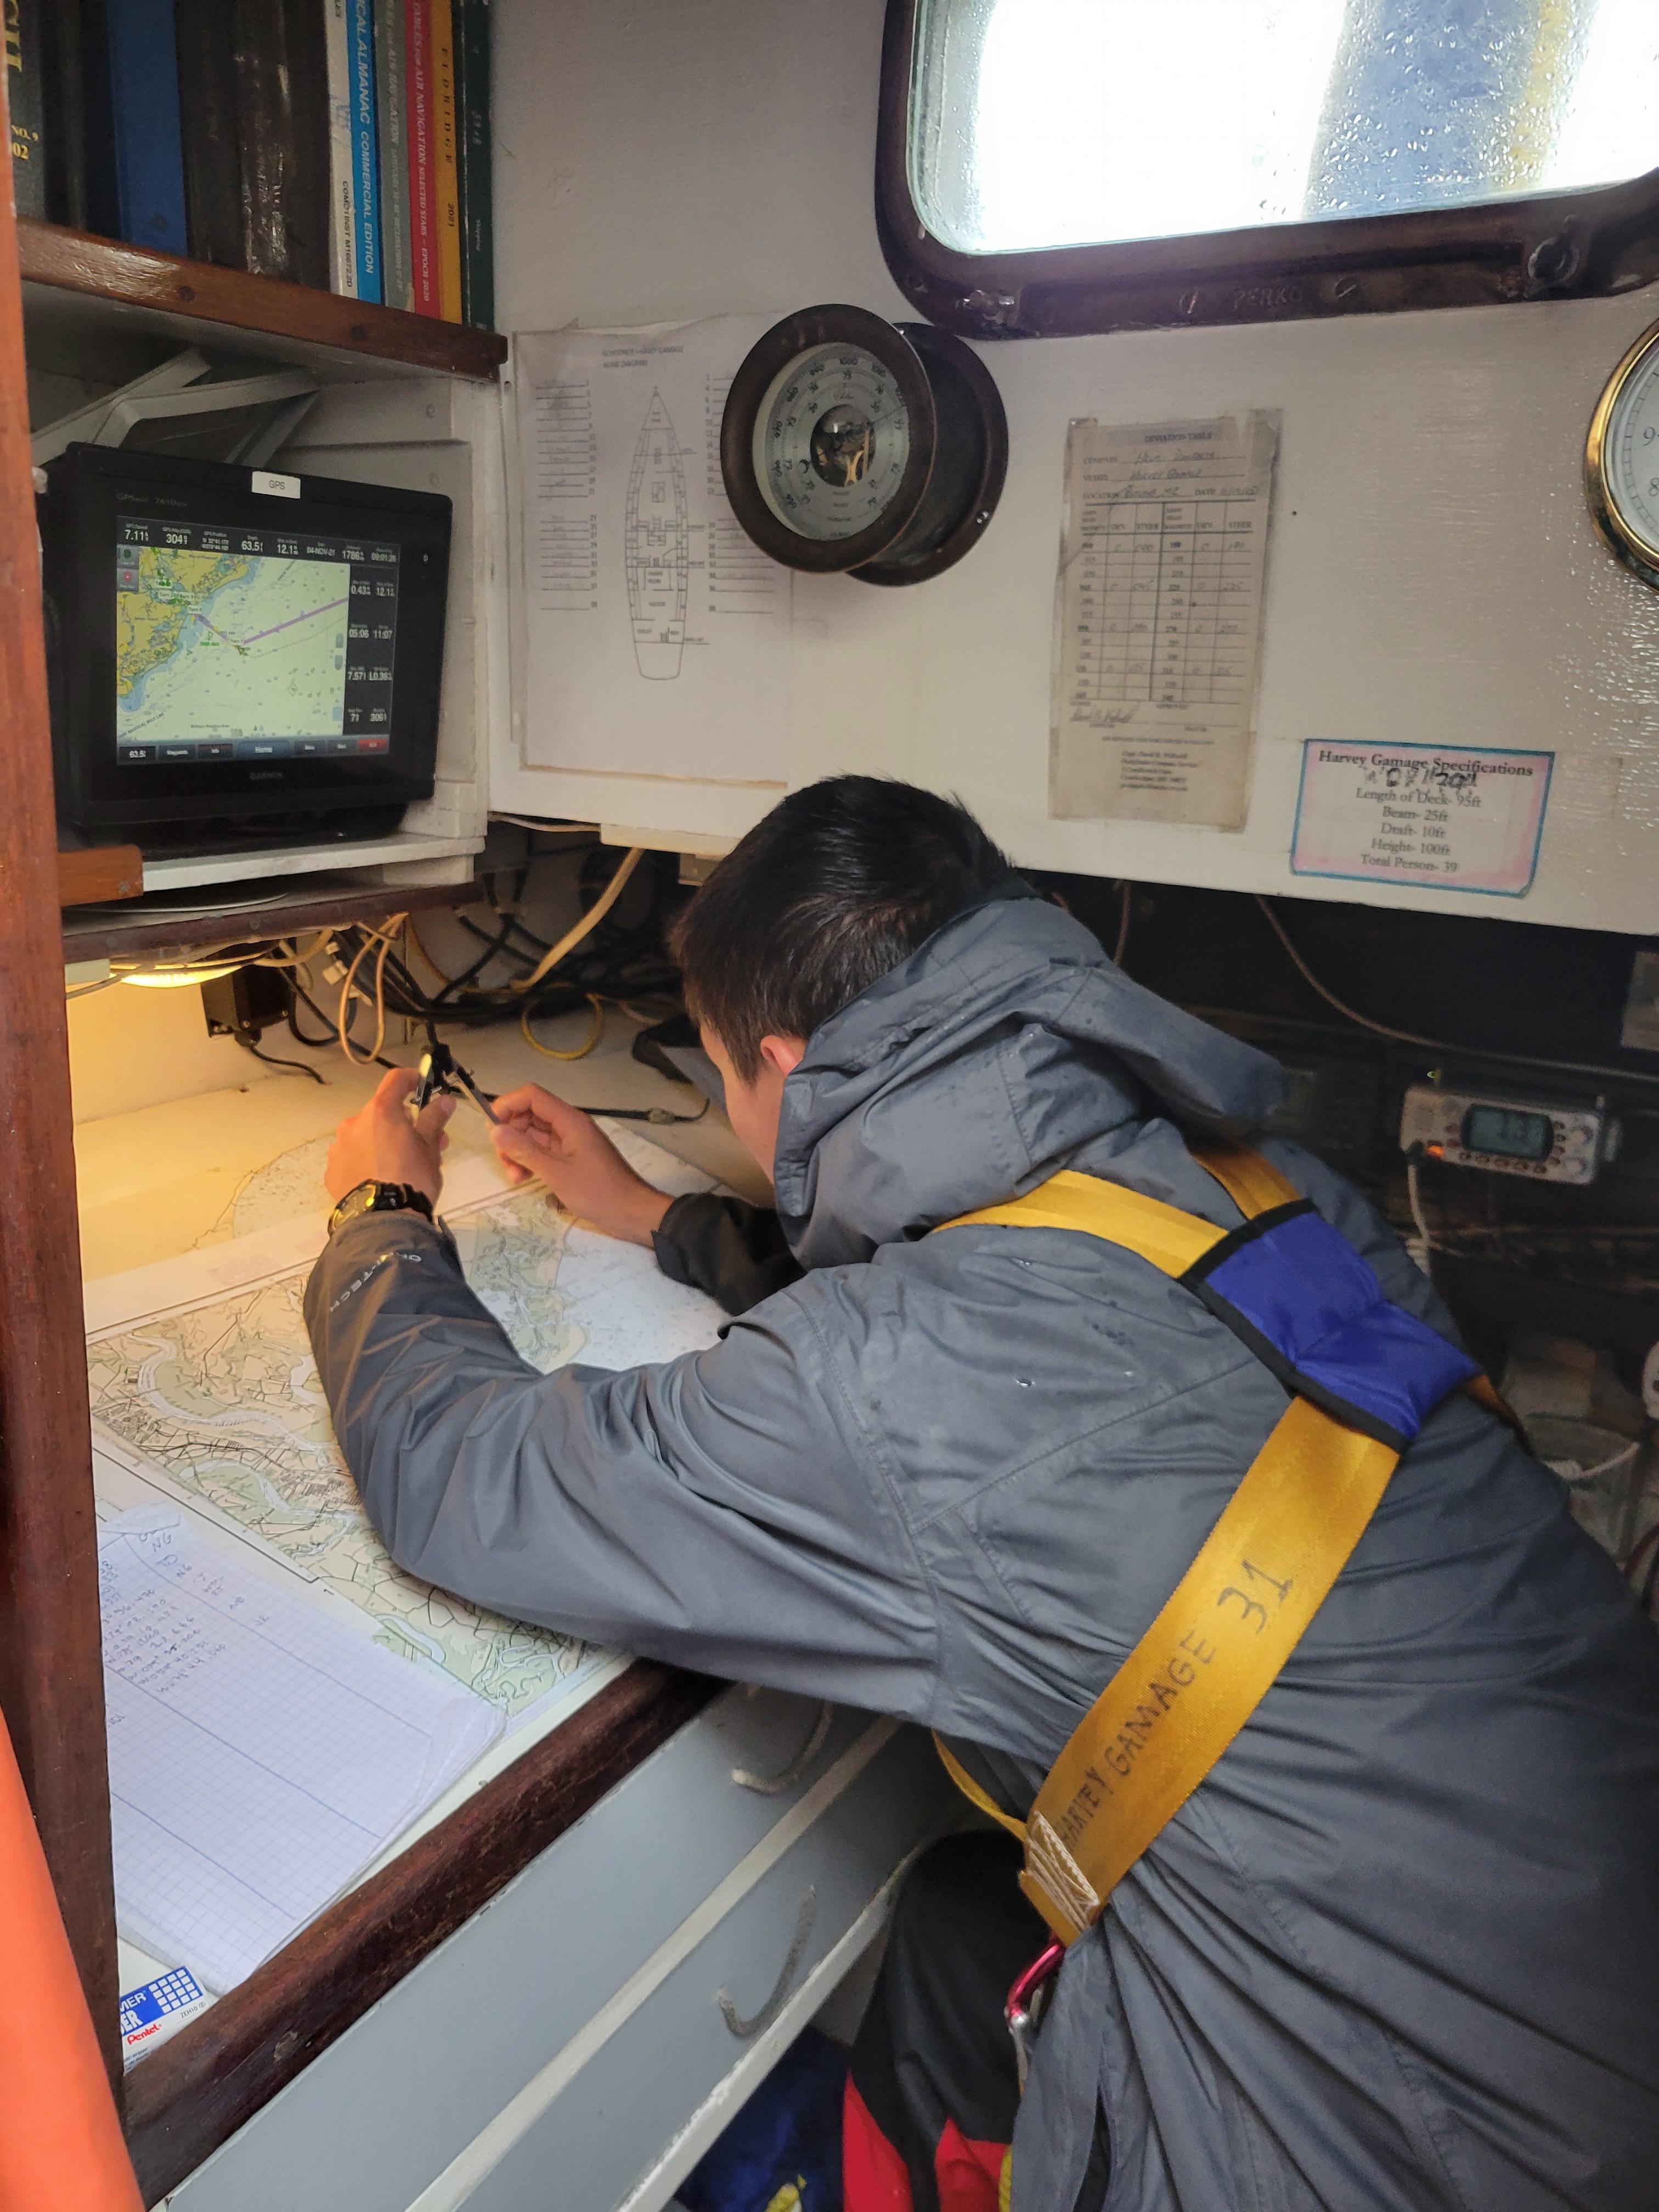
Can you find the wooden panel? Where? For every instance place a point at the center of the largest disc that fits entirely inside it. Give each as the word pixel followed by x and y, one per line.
pixel 75 261
pixel 51 1682
pixel 104 871
pixel 197 2090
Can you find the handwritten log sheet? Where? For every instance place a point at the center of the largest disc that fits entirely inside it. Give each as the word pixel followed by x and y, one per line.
pixel 261 1753
pixel 1158 618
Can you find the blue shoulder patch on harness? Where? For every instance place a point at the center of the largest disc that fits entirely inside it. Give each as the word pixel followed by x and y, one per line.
pixel 1295 1291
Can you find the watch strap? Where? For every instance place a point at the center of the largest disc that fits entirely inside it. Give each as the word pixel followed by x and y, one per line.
pixel 374 1197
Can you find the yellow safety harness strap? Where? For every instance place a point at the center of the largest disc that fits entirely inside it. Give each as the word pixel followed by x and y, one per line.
pixel 1171 1240
pixel 1255 1185
pixel 1236 1616
pixel 971 1791
pixel 1205 1664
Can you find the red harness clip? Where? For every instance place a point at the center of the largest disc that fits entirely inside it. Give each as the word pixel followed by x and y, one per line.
pixel 1028 2000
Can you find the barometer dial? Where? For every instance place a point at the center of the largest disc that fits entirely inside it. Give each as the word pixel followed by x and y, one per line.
pixel 1621 458
pixel 850 444
pixel 832 442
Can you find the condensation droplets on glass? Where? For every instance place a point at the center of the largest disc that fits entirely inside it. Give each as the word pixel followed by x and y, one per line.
pixel 1038 124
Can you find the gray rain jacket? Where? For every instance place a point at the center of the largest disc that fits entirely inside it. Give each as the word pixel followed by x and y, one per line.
pixel 1401 1950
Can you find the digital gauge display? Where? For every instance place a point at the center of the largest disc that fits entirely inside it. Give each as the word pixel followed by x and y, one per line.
pixel 1511 1133
pixel 1622 458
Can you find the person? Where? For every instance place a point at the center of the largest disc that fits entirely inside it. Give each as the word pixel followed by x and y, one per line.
pixel 1400 1949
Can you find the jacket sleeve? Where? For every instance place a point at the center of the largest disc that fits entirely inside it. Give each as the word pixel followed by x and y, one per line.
pixel 722 1511
pixel 733 1251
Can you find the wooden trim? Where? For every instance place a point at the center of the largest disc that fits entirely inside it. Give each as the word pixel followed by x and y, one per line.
pixel 101 872
pixel 75 261
pixel 194 2092
pixel 52 1678
pixel 1552 246
pixel 152 933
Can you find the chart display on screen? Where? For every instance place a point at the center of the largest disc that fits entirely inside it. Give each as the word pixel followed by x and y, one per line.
pixel 250 644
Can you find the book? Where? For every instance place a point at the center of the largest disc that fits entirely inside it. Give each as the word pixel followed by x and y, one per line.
pixel 447 191
pixel 365 150
pixel 278 56
pixel 26 99
pixel 213 154
pixel 477 220
pixel 342 196
pixel 135 149
pixel 392 124
pixel 66 116
pixel 422 202
pixel 305 43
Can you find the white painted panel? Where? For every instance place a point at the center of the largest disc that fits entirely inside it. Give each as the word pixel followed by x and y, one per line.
pixel 1432 575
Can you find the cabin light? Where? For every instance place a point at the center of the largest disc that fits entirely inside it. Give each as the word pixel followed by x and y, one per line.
pixel 179 979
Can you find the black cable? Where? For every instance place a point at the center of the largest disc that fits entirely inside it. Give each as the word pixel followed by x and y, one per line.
pixel 296 994
pixel 298 1067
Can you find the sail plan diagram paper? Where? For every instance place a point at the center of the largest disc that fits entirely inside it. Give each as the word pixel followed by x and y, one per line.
pixel 1158 618
pixel 655 635
pixel 261 1752
pixel 204 1395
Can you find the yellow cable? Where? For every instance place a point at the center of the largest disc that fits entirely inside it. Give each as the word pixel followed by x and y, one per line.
pixel 595 915
pixel 582 1051
pixel 382 938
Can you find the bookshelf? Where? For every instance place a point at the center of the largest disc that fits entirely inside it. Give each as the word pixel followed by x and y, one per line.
pixel 132 276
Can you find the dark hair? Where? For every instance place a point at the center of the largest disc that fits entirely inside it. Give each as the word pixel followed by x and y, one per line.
pixel 837 886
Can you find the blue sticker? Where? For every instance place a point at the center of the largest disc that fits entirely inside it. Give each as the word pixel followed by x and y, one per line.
pixel 142 2008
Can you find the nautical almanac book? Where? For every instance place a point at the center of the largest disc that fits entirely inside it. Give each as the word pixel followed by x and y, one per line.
pixel 477 221
pixel 25 96
pixel 342 193
pixel 365 150
pixel 422 197
pixel 391 127
pixel 447 195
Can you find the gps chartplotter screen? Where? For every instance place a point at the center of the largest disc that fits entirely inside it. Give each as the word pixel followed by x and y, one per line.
pixel 250 644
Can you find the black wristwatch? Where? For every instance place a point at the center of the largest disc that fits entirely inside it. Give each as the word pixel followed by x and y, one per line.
pixel 380 1198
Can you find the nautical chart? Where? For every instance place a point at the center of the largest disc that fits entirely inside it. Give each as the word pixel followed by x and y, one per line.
pixel 209 642
pixel 204 1389
pixel 654 635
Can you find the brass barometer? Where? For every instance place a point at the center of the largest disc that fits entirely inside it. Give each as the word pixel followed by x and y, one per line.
pixel 1621 458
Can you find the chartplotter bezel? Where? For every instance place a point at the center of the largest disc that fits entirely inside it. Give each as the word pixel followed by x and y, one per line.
pixel 262 783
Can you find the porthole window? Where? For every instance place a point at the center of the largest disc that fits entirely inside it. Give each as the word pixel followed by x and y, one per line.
pixel 1499 151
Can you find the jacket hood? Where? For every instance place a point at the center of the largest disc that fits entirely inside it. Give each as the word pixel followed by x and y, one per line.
pixel 994 1056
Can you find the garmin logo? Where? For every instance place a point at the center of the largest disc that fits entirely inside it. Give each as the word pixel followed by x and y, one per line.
pixel 265 775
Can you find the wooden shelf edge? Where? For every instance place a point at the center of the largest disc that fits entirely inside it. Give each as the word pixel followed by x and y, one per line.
pixel 100 872
pixel 194 2094
pixel 105 269
pixel 146 932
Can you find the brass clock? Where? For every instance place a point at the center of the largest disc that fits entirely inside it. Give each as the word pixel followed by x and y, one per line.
pixel 1621 460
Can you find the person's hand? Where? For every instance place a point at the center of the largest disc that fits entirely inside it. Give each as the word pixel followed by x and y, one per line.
pixel 383 1145
pixel 540 1138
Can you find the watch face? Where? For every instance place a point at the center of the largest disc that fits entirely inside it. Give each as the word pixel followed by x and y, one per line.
pixel 832 441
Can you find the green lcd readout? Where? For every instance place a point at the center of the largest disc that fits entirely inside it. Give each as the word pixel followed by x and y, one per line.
pixel 1509 1132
